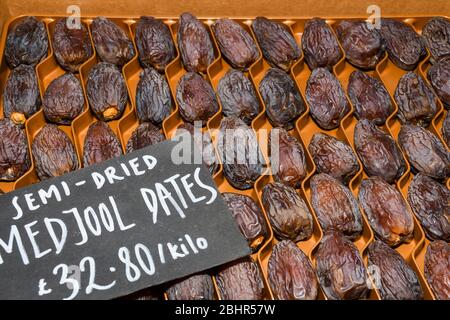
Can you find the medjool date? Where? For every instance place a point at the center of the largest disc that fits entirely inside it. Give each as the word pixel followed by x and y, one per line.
pixel 386 211
pixel 21 98
pixel 439 76
pixel 238 96
pixel 369 97
pixel 320 46
pixel 327 100
pixel 335 206
pixel 100 144
pixel 436 35
pixel 277 43
pixel 378 152
pixel 154 43
pixel 53 153
pixel 430 202
pixel 425 152
pixel 416 101
pixel 63 100
pixel 287 212
pixel 340 268
pixel 333 156
pixel 282 98
pixel 239 151
pixel 291 275
pixel 235 43
pixel 111 42
pixel 196 287
pixel 403 44
pixel 196 98
pixel 248 217
pixel 241 281
pixel 363 45
pixel 153 99
pixel 398 281
pixel 287 158
pixel 27 42
pixel 446 129
pixel 71 45
pixel 144 135
pixel 106 91
pixel 437 269
pixel 194 43
pixel 14 156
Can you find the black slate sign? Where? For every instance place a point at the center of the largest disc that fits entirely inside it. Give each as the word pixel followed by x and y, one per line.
pixel 114 228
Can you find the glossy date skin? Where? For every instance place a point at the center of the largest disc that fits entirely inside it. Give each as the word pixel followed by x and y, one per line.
pixel 439 77
pixel 333 156
pixel 386 211
pixel 378 152
pixel 437 269
pixel 436 35
pixel 290 273
pixel 340 268
pixel 146 134
pixel 288 213
pixel 14 155
pixel 100 144
pixel 430 202
pixel 196 287
pixel 446 129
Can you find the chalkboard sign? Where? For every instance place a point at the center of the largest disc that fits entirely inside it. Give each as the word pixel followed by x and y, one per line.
pixel 115 228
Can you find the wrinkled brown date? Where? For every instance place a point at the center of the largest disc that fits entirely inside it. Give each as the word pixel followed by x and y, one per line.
pixel 437 269
pixel 71 46
pixel 425 152
pixel 106 91
pixel 100 144
pixel 398 281
pixel 146 134
pixel 63 100
pixel 404 46
pixel 282 98
pixel 378 152
pixel 14 156
pixel 154 43
pixel 194 43
pixel 238 96
pixel 386 211
pixel 320 46
pixel 362 44
pixel 439 76
pixel 436 35
pixel 27 42
pixel 327 100
pixel 287 212
pixel 290 273
pixel 53 153
pixel 196 98
pixel 111 42
pixel 416 102
pixel 287 158
pixel 248 217
pixel 21 97
pixel 340 268
pixel 333 156
pixel 239 151
pixel 430 202
pixel 235 43
pixel 241 281
pixel 196 287
pixel 153 99
pixel 276 42
pixel 369 97
pixel 335 206
pixel 446 129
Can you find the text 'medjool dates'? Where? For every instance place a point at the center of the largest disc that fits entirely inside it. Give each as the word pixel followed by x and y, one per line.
pixel 146 134
pixel 100 144
pixel 14 156
pixel 196 287
pixel 436 35
pixel 437 269
pixel 291 275
pixel 287 212
pixel 446 129
pixel 439 76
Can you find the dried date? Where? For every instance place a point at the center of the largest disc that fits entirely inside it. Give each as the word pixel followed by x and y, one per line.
pixel 436 35
pixel 386 211
pixel 288 213
pixel 446 129
pixel 282 98
pixel 196 287
pixel 290 273
pixel 437 269
pixel 14 156
pixel 378 152
pixel 276 42
pixel 146 134
pixel 100 144
pixel 439 76
pixel 327 100
pixel 398 281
